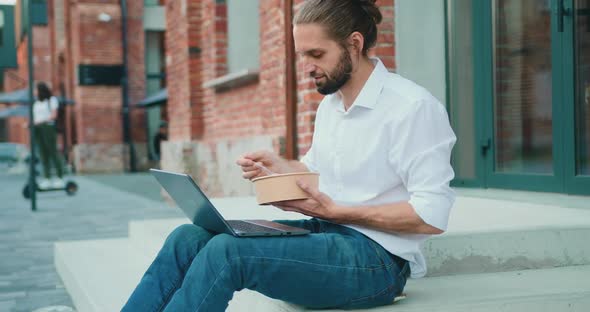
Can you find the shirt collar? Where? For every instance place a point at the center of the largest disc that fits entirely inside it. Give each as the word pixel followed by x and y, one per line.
pixel 370 92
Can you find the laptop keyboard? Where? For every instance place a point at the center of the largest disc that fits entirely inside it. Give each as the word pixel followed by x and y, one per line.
pixel 241 226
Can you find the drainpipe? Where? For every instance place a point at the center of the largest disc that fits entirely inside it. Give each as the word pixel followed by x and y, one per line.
pixel 32 156
pixel 125 87
pixel 290 84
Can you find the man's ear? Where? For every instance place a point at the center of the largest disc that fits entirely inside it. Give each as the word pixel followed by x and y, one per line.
pixel 357 41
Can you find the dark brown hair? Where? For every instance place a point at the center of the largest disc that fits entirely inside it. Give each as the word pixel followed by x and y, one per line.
pixel 341 18
pixel 43 92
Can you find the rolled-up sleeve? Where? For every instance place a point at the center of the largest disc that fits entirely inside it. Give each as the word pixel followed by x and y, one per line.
pixel 422 158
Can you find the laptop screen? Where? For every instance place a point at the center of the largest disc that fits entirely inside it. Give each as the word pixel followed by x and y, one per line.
pixel 189 197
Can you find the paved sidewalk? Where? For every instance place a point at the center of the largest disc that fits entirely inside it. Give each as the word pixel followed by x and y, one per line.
pixel 28 280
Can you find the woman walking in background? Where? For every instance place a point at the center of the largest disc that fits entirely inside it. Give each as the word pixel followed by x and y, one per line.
pixel 45 115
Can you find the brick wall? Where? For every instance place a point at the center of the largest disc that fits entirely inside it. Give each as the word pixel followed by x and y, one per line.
pixel 95 42
pixel 177 66
pixel 259 109
pixel 98 110
pixel 196 34
pixel 136 66
pixel 74 35
pixel 17 130
pixel 15 79
pixel 206 124
pixel 196 44
pixel 385 47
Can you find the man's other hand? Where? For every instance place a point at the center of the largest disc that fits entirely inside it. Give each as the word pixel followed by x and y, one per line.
pixel 319 205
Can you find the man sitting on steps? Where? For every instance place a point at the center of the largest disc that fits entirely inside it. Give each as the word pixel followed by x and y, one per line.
pixel 382 146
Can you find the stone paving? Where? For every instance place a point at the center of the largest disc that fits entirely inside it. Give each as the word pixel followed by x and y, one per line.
pixel 102 209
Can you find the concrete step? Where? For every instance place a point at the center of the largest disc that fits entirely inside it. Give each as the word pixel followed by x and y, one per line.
pixel 490 235
pixel 101 274
pixel 484 235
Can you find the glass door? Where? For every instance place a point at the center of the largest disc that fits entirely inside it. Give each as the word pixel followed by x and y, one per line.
pixel 460 93
pixel 582 92
pixel 578 76
pixel 532 82
pixel 518 75
pixel 523 70
pixel 522 148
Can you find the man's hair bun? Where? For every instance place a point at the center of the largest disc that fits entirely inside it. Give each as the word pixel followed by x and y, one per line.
pixel 372 10
pixel 343 17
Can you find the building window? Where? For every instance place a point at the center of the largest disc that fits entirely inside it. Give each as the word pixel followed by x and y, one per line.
pixel 38 13
pixel 155 65
pixel 155 68
pixel 243 27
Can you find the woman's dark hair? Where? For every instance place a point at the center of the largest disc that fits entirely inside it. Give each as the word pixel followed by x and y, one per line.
pixel 43 92
pixel 341 18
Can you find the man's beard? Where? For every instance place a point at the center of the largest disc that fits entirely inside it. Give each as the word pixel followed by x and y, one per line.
pixel 337 78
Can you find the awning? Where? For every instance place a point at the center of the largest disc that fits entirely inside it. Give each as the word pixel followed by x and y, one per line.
pixel 22 97
pixel 14 111
pixel 157 98
pixel 18 96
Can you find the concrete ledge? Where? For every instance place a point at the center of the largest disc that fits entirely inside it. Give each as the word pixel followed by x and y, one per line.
pixel 507 251
pixel 100 275
pixel 465 253
pixel 484 235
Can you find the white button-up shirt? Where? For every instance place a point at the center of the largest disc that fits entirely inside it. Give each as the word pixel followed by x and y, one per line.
pixel 393 144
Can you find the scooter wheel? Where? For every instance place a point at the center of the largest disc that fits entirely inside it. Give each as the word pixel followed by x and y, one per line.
pixel 71 188
pixel 26 192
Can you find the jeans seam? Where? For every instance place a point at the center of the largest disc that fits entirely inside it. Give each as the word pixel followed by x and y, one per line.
pixel 227 264
pixel 175 285
pixel 379 293
pixel 404 270
pixel 376 247
pixel 215 282
pixel 168 295
pixel 373 268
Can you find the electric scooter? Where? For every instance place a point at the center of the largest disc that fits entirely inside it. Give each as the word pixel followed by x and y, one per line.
pixel 70 187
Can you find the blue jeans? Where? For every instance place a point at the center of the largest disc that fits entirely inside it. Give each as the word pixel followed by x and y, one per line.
pixel 333 267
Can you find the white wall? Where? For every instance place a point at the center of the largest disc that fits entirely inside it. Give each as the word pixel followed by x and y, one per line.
pixel 420 43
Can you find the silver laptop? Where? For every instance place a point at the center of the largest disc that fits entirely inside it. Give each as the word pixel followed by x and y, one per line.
pixel 199 209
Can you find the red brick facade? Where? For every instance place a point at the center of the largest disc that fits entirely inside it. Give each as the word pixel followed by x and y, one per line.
pixel 197 47
pixel 197 53
pixel 73 36
pixel 15 79
pixel 178 66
